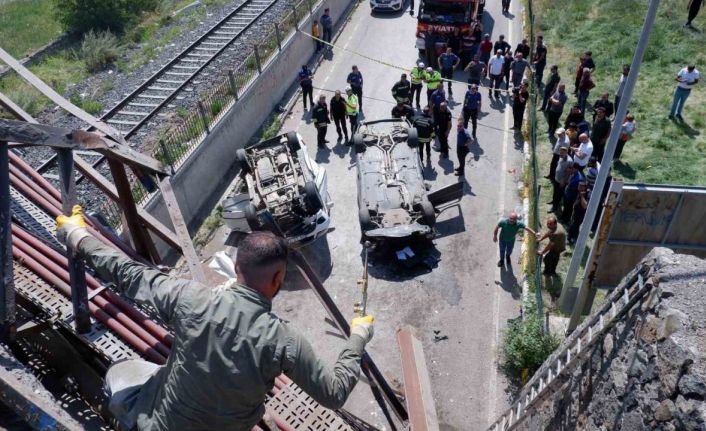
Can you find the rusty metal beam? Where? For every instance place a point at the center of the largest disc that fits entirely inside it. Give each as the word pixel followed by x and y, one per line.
pixel 187 246
pixel 417 385
pixel 29 134
pixel 7 289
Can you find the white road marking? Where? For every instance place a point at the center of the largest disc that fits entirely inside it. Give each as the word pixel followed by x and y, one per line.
pixel 492 398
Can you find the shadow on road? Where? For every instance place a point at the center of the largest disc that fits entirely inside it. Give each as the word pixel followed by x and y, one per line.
pixel 453 225
pixel 508 282
pixel 319 257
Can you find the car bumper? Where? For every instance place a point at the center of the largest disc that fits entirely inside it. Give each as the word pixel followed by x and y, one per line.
pixel 322 224
pixel 392 6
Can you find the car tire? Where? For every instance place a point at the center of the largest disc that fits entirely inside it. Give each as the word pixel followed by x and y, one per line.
pixel 243 162
pixel 251 217
pixel 358 143
pixel 293 142
pixel 364 219
pixel 412 138
pixel 312 199
pixel 428 213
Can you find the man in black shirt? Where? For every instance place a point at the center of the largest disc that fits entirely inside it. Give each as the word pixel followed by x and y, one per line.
pixel 425 132
pixel 539 61
pixel 599 133
pixel 401 89
pixel 442 122
pixel 519 102
pixel 575 116
pixel 604 103
pixel 401 110
pixel 523 48
pixel 338 114
pixel 321 121
pixel 501 45
pixel 551 86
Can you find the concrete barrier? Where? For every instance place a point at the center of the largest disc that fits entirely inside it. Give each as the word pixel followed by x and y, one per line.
pixel 202 179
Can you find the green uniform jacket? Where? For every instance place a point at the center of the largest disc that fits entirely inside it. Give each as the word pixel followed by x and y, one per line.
pixel 228 348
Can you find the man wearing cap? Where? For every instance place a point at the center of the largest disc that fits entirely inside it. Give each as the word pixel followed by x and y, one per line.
pixel 448 61
pixel 485 49
pixel 433 79
pixel 686 78
pixel 475 72
pixel 495 69
pixel 417 76
pixel 351 101
pixel 355 81
pixel 400 91
pixel 471 107
pixel 425 132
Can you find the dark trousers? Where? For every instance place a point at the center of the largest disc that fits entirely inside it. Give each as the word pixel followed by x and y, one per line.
pixel 354 123
pixel 327 35
pixel 470 115
pixel 693 10
pixel 321 135
pixel 568 209
pixel 552 167
pixel 506 77
pixel 583 98
pixel 443 142
pixel 318 45
pixel 506 5
pixel 461 153
pixel 358 91
pixel 308 91
pixel 422 146
pixel 340 123
pixel 557 194
pixel 574 228
pixel 551 260
pixel 448 74
pixel 545 98
pixel 552 121
pixel 517 115
pixel 429 92
pixel 619 149
pixel 495 82
pixel 416 90
pixel 539 72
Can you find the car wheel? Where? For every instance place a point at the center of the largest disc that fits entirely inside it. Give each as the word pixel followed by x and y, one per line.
pixel 358 143
pixel 412 138
pixel 251 218
pixel 243 162
pixel 312 199
pixel 364 218
pixel 428 213
pixel 293 142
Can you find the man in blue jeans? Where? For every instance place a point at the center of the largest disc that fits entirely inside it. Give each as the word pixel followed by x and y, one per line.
pixel 508 228
pixel 687 77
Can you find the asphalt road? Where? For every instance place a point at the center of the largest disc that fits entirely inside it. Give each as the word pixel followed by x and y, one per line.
pixel 466 298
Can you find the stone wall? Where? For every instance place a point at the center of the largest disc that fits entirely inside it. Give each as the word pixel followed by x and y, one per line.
pixel 650 370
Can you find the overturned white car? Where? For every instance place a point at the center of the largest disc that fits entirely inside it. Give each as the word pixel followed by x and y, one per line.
pixel 280 189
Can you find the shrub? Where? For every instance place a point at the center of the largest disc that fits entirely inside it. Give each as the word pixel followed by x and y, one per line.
pixel 115 15
pixel 526 345
pixel 88 104
pixel 98 50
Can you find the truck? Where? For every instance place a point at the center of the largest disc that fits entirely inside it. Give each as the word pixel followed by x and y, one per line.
pixel 443 17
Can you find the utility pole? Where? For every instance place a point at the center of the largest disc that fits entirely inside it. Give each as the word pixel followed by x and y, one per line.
pixel 606 164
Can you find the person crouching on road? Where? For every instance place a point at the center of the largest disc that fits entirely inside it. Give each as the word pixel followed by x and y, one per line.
pixel 508 228
pixel 321 119
pixel 228 345
pixel 351 102
pixel 463 145
pixel 338 115
pixel 402 111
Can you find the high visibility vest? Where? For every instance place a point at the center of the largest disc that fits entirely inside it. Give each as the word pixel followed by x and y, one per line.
pixel 353 101
pixel 417 75
pixel 434 80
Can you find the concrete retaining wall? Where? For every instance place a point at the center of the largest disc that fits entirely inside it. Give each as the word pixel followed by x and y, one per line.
pixel 203 178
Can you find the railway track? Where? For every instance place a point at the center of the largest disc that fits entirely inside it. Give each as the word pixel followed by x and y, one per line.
pixel 153 95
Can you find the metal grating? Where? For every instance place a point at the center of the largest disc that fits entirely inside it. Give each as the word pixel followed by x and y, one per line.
pixel 301 412
pixel 32 217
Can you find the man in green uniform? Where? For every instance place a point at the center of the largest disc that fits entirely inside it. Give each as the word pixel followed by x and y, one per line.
pixel 433 80
pixel 228 346
pixel 417 76
pixel 508 228
pixel 352 103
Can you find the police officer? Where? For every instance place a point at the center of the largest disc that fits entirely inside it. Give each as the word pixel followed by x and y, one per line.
pixel 401 110
pixel 433 79
pixel 463 143
pixel 338 115
pixel 425 132
pixel 448 61
pixel 442 121
pixel 471 107
pixel 401 89
pixel 321 121
pixel 355 81
pixel 306 83
pixel 417 76
pixel 351 102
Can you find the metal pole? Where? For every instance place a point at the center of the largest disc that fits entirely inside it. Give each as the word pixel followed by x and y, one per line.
pixel 608 155
pixel 167 157
pixel 257 59
pixel 202 113
pixel 279 38
pixel 296 19
pixel 7 288
pixel 77 268
pixel 231 78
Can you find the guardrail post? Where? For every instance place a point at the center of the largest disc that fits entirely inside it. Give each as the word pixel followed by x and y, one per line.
pixel 233 87
pixel 296 18
pixel 257 59
pixel 279 38
pixel 167 158
pixel 202 112
pixel 7 288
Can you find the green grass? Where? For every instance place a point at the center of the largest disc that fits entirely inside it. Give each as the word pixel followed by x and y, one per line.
pixel 27 25
pixel 661 151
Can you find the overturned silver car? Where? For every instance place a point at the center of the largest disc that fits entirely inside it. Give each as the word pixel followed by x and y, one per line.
pixel 393 203
pixel 280 189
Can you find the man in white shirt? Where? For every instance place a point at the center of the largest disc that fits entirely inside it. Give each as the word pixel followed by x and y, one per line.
pixel 583 153
pixel 495 70
pixel 686 78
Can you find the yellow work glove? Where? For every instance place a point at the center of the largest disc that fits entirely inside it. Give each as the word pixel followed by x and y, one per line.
pixel 70 230
pixel 363 327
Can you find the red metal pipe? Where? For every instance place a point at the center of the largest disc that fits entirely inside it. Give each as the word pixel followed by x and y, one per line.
pixel 99 301
pixel 36 176
pixel 157 331
pixel 27 260
pixel 19 175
